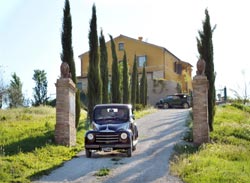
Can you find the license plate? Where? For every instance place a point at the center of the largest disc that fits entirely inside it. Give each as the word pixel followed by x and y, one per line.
pixel 107 149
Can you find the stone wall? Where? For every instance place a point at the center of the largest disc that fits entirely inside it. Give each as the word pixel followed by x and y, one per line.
pixel 159 88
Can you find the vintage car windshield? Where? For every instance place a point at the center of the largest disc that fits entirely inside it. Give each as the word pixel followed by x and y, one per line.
pixel 111 115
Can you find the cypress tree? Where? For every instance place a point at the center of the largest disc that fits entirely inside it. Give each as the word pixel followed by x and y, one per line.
pixel 67 54
pixel 137 89
pixel 104 69
pixel 125 81
pixel 120 69
pixel 143 88
pixel 134 83
pixel 115 80
pixel 94 78
pixel 205 49
pixel 146 89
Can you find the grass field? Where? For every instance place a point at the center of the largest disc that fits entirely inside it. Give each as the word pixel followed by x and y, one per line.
pixel 27 148
pixel 227 158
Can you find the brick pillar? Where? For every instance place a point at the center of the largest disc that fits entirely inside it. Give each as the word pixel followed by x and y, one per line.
pixel 200 110
pixel 65 130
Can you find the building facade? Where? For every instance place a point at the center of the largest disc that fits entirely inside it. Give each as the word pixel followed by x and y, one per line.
pixel 166 73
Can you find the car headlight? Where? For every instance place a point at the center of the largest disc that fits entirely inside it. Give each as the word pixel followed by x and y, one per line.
pixel 90 136
pixel 124 136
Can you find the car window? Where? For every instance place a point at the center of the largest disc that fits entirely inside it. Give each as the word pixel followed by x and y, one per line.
pixel 176 97
pixel 169 97
pixel 113 113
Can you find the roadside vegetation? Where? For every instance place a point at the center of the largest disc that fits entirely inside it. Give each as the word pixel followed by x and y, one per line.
pixel 27 148
pixel 27 145
pixel 226 158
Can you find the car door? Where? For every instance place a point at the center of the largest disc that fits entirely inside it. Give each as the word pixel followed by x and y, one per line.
pixel 176 101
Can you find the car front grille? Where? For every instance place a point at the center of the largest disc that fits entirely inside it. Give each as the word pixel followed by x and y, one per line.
pixel 107 138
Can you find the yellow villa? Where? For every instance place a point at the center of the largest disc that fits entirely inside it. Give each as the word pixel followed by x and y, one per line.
pixel 166 73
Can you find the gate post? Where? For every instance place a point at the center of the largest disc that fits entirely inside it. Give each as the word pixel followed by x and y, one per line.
pixel 200 105
pixel 65 130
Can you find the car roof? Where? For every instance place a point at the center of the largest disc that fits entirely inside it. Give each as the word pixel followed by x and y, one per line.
pixel 113 105
pixel 178 94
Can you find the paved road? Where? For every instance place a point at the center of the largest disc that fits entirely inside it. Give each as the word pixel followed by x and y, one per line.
pixel 158 133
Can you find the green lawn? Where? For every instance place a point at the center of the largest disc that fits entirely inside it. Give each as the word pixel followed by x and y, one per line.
pixel 27 146
pixel 227 158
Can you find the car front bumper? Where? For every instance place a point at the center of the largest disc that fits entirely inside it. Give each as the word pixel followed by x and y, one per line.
pixel 101 146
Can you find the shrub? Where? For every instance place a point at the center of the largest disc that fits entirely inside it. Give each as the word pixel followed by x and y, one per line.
pixel 241 107
pixel 138 107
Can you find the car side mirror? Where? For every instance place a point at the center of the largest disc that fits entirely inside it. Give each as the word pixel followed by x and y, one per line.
pixel 133 117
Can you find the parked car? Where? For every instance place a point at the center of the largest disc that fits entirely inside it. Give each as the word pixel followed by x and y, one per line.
pixel 176 100
pixel 113 128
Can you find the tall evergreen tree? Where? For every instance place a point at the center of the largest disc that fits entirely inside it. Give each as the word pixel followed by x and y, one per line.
pixel 14 91
pixel 137 89
pixel 205 49
pixel 115 80
pixel 94 75
pixel 40 90
pixel 67 54
pixel 104 69
pixel 120 69
pixel 143 88
pixel 125 80
pixel 134 83
pixel 146 89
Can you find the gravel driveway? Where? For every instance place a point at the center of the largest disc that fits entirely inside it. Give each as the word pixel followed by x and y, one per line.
pixel 158 133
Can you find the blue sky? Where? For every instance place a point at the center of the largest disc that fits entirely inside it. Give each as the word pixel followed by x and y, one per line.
pixel 30 33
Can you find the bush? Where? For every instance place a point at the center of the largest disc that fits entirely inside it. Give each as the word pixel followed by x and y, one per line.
pixel 241 107
pixel 138 107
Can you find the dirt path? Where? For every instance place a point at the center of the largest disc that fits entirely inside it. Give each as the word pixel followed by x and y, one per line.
pixel 158 133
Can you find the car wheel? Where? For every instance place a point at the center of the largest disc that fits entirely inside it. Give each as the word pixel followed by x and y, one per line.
pixel 129 150
pixel 88 153
pixel 185 105
pixel 165 106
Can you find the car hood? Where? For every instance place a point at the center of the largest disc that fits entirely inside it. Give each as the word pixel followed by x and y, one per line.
pixel 111 127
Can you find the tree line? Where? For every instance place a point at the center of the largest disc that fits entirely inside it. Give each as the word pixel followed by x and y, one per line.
pixel 13 96
pixel 122 89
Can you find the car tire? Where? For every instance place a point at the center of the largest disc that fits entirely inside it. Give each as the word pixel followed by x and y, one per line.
pixel 165 106
pixel 185 106
pixel 129 150
pixel 88 153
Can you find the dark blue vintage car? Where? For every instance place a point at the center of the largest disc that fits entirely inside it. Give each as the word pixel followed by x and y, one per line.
pixel 113 128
